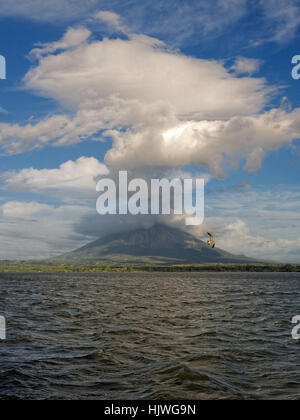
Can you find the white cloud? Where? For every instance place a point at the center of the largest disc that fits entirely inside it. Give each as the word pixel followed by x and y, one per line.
pixel 260 223
pixel 162 108
pixel 238 238
pixel 111 19
pixel 15 138
pixel 206 143
pixel 71 181
pixel 30 230
pixel 244 65
pixel 72 38
pixel 142 69
pixel 283 17
pixel 134 83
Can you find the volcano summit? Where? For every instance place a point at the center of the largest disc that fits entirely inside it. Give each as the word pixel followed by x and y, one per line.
pixel 158 245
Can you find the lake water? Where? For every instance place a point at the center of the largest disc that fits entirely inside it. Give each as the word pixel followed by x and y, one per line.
pixel 150 336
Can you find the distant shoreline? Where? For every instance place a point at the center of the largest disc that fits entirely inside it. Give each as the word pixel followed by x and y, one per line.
pixel 102 267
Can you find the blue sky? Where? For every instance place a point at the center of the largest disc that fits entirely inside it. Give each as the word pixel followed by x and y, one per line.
pixel 93 88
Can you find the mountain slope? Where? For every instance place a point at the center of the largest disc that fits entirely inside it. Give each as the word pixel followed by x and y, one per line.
pixel 159 244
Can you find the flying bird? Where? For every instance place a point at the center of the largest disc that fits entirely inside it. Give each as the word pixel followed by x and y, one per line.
pixel 211 241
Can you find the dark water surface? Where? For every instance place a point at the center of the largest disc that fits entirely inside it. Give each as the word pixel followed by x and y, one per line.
pixel 150 336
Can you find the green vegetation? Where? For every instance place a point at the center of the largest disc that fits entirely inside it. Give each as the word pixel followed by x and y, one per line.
pixel 100 267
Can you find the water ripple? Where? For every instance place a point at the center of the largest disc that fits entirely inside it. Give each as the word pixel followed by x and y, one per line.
pixel 149 336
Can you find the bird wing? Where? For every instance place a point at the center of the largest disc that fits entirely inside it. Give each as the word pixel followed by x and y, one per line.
pixel 211 240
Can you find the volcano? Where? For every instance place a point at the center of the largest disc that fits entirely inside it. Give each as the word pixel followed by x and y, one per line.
pixel 158 245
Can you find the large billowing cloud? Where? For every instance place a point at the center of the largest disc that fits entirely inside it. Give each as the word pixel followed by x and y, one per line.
pixel 147 94
pixel 142 69
pixel 162 108
pixel 206 143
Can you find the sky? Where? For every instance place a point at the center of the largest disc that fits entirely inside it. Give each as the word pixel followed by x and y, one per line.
pixel 159 88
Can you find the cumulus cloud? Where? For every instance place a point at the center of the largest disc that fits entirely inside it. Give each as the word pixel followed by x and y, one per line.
pixel 161 108
pixel 30 230
pixel 15 138
pixel 245 221
pixel 143 69
pixel 259 223
pixel 206 143
pixel 71 181
pixel 238 238
pixel 105 89
pixel 66 129
pixel 153 98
